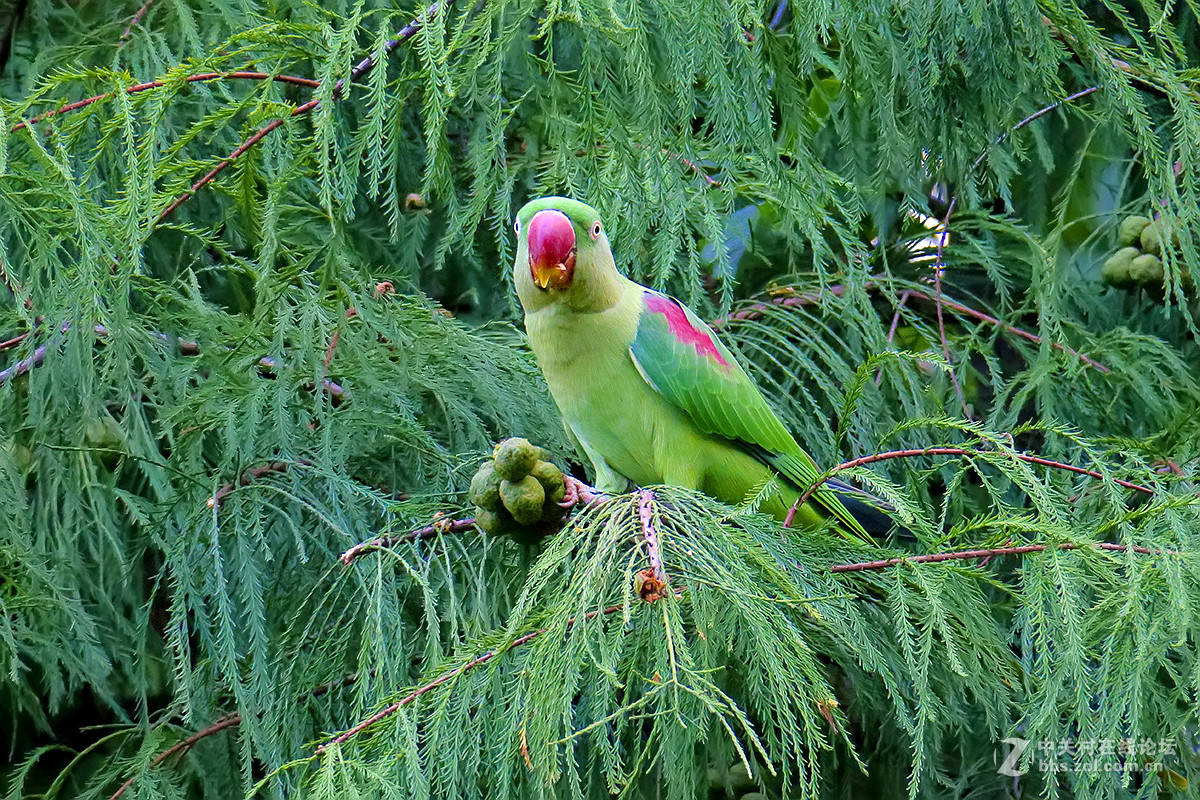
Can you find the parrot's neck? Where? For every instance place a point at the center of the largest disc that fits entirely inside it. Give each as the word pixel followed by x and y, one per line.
pixel 597 290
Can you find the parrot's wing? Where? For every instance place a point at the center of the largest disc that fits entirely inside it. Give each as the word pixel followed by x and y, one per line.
pixel 684 361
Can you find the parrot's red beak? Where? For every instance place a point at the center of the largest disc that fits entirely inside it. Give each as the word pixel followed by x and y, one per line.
pixel 551 249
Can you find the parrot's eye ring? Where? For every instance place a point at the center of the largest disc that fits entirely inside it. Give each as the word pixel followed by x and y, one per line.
pixel 596 230
pixel 516 226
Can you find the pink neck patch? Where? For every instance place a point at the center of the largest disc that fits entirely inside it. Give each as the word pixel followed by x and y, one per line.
pixel 682 329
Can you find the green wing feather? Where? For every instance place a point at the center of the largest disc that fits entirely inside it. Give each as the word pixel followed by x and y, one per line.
pixel 684 361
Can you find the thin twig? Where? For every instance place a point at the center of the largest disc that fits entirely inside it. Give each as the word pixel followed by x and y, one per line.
pixel 778 17
pixel 136 88
pixel 939 264
pixel 950 451
pixel 896 317
pixel 1041 112
pixel 959 555
pixel 429 531
pixel 692 165
pixel 133 23
pixel 227 721
pixel 650 583
pixel 1013 329
pixel 1116 63
pixel 24 365
pixel 13 342
pixel 447 676
pixel 758 311
pixel 34 359
pixel 578 493
pixel 360 69
pixel 249 476
pixel 892 329
pixel 333 343
pixel 187 347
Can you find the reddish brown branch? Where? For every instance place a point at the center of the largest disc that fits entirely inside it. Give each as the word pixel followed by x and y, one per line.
pixel 447 676
pixel 578 493
pixel 945 451
pixel 141 12
pixel 791 300
pixel 692 165
pixel 1024 334
pixel 758 311
pixel 137 88
pixel 211 175
pixel 227 721
pixel 35 359
pixel 249 476
pixel 333 343
pixel 13 342
pixel 428 532
pixel 650 583
pixel 360 69
pixel 989 552
pixel 24 365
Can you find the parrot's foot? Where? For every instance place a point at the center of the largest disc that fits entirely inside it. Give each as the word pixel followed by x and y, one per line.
pixel 579 492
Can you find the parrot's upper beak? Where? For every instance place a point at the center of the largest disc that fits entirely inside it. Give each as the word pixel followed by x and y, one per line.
pixel 551 249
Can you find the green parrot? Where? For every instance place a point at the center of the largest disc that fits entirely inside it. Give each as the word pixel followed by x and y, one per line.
pixel 645 386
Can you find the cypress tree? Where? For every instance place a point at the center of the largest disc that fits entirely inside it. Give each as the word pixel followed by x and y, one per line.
pixel 259 333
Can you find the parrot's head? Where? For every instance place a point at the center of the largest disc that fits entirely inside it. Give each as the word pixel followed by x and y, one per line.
pixel 563 256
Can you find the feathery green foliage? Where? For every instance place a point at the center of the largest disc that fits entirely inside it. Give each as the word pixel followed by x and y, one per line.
pixel 212 385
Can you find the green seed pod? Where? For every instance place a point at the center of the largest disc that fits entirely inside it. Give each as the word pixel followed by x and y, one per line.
pixel 1157 235
pixel 1115 271
pixel 523 499
pixel 543 454
pixel 495 523
pixel 1130 229
pixel 485 487
pixel 1147 271
pixel 551 479
pixel 514 458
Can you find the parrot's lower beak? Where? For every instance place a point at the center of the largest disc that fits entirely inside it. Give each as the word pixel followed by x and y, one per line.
pixel 551 249
pixel 553 276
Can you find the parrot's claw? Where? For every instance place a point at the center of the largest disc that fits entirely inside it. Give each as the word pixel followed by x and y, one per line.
pixel 579 492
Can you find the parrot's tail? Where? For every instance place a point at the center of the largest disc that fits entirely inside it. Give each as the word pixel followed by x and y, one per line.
pixel 872 512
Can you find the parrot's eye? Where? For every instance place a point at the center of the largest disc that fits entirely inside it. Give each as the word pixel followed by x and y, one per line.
pixel 516 226
pixel 596 230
